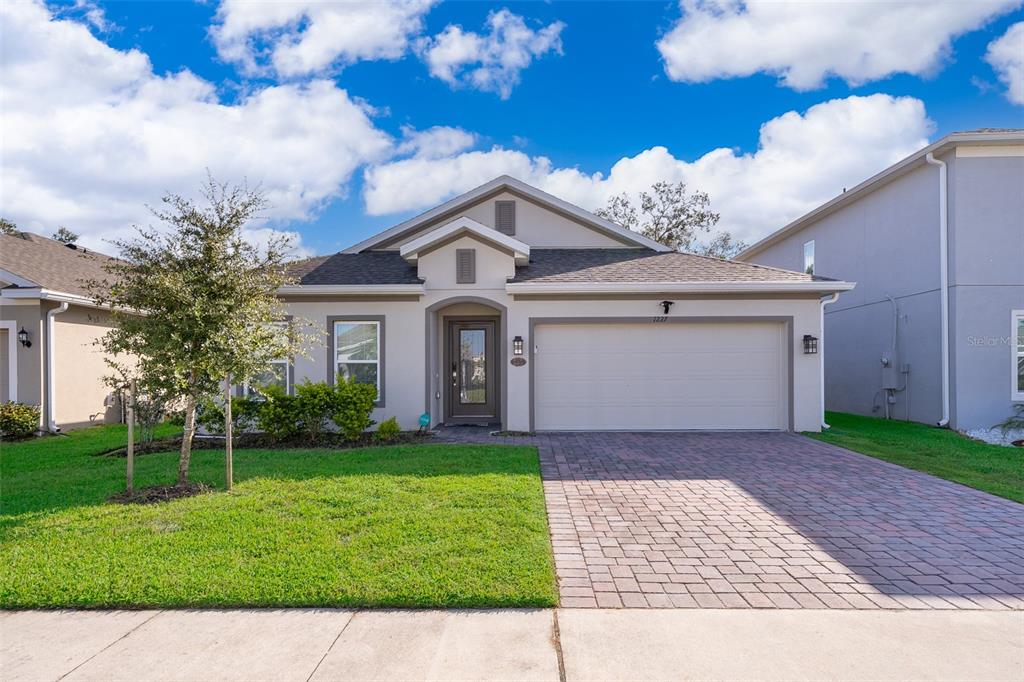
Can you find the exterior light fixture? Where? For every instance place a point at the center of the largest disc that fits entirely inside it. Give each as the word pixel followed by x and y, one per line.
pixel 810 344
pixel 665 305
pixel 23 338
pixel 517 345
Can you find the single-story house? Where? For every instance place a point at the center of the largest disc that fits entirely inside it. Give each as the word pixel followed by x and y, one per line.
pixel 934 332
pixel 48 330
pixel 509 306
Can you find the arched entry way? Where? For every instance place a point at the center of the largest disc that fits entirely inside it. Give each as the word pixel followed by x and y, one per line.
pixel 466 373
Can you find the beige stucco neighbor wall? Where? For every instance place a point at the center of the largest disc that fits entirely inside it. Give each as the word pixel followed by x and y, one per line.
pixel 27 314
pixel 79 368
pixel 406 337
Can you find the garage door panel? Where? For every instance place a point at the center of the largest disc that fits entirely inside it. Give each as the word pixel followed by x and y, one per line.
pixel 665 376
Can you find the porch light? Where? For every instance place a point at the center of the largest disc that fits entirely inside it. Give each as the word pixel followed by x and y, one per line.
pixel 23 338
pixel 810 344
pixel 517 345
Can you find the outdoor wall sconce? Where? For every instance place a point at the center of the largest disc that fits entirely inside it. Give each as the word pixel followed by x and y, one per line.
pixel 665 305
pixel 23 338
pixel 517 345
pixel 810 344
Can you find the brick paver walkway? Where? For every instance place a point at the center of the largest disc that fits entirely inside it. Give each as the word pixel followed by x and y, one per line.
pixel 766 520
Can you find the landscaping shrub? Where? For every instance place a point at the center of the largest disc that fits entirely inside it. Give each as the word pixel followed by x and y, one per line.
pixel 388 430
pixel 278 415
pixel 18 420
pixel 353 405
pixel 316 405
pixel 244 413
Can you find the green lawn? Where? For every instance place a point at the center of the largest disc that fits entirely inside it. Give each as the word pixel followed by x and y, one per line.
pixel 411 525
pixel 993 468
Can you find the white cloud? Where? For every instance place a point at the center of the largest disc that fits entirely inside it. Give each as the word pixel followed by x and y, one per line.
pixel 91 134
pixel 305 37
pixel 436 142
pixel 491 62
pixel 802 160
pixel 804 43
pixel 1006 55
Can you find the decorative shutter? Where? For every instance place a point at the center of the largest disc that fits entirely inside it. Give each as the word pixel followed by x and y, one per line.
pixel 465 266
pixel 505 217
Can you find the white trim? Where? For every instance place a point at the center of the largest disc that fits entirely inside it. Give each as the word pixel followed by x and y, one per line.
pixel 12 358
pixel 49 295
pixel 464 225
pixel 994 150
pixel 506 181
pixel 17 280
pixel 998 139
pixel 379 362
pixel 674 287
pixel 351 289
pixel 1015 354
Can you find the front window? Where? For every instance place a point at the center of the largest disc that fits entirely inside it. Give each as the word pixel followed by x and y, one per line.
pixel 357 351
pixel 809 257
pixel 1017 353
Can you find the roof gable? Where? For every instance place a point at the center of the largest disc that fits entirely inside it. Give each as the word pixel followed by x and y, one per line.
pixel 505 183
pixel 465 227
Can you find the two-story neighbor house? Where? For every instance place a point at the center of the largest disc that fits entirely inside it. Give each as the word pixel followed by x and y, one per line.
pixel 934 331
pixel 511 307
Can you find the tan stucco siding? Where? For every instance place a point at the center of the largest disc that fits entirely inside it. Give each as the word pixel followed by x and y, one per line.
pixel 79 368
pixel 535 225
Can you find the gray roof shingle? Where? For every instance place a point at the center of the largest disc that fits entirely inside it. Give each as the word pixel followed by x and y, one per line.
pixel 51 264
pixel 644 265
pixel 369 267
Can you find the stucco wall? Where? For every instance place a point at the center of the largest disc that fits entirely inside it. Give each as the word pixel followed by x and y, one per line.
pixel 987 273
pixel 535 225
pixel 27 314
pixel 79 368
pixel 888 243
pixel 407 385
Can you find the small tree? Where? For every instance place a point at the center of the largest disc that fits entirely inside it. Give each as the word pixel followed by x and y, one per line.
pixel 196 302
pixel 64 236
pixel 7 227
pixel 670 215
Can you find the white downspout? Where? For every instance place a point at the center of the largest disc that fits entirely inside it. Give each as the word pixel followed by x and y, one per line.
pixel 51 394
pixel 821 357
pixel 943 283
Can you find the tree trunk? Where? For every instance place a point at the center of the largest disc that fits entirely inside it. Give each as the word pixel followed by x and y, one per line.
pixel 186 439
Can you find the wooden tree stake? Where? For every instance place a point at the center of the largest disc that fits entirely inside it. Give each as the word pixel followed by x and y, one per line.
pixel 131 437
pixel 228 460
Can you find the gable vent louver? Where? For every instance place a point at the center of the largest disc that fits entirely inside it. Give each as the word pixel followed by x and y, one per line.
pixel 505 217
pixel 465 266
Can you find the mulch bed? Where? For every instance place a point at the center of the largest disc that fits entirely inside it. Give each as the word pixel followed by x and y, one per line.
pixel 161 493
pixel 263 440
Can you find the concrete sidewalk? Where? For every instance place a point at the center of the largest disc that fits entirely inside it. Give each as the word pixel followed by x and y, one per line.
pixel 568 644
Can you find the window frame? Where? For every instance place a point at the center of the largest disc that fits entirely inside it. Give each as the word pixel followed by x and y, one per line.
pixel 809 243
pixel 243 390
pixel 1016 353
pixel 332 355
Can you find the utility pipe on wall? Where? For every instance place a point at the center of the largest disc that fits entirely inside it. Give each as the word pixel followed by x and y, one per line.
pixel 943 283
pixel 51 419
pixel 821 356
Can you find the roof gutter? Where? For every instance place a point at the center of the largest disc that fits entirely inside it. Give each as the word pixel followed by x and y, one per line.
pixel 51 394
pixel 352 290
pixel 943 283
pixel 675 287
pixel 821 356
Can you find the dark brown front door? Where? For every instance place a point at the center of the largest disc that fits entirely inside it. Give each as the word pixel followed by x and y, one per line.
pixel 471 361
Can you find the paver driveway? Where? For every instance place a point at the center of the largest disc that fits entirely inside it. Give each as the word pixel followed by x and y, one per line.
pixel 767 520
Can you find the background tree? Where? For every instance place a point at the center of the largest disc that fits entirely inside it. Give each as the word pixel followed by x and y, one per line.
pixel 672 216
pixel 64 235
pixel 7 227
pixel 195 301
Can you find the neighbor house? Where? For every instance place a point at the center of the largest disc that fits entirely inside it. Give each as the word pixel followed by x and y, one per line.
pixel 934 331
pixel 48 329
pixel 508 306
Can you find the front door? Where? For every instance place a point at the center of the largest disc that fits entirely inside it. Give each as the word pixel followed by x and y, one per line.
pixel 471 361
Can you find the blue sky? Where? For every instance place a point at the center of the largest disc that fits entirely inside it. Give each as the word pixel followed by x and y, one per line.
pixel 604 94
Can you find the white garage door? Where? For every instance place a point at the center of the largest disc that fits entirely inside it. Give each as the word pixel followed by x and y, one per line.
pixel 660 376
